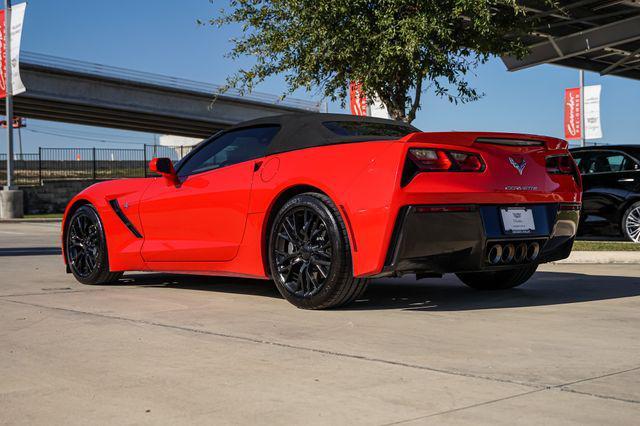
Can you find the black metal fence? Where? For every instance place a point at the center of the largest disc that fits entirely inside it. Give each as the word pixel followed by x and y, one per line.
pixel 85 163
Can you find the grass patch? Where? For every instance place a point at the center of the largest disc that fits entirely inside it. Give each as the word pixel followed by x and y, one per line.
pixel 44 216
pixel 605 246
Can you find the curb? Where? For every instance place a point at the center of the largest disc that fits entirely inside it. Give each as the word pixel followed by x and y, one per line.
pixel 32 220
pixel 602 257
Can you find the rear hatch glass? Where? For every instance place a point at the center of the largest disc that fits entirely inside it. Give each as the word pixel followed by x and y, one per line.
pixel 359 128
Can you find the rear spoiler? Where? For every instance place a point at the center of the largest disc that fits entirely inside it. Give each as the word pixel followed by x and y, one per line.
pixel 471 138
pixel 510 141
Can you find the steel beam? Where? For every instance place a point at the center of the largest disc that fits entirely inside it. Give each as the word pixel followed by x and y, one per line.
pixel 573 45
pixel 595 66
pixel 620 63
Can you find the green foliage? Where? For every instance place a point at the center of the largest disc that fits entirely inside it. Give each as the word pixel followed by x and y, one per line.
pixel 391 46
pixel 605 246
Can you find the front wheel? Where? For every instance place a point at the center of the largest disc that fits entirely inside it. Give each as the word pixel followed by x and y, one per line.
pixel 498 280
pixel 309 254
pixel 86 248
pixel 631 223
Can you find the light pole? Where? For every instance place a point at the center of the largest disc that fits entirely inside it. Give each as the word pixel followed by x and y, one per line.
pixel 9 86
pixel 11 201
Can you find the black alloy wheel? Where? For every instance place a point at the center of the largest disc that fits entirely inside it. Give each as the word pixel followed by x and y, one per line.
pixel 303 252
pixel 310 256
pixel 86 249
pixel 84 243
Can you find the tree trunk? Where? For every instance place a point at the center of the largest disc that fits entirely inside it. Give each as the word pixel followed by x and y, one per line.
pixel 395 107
pixel 397 114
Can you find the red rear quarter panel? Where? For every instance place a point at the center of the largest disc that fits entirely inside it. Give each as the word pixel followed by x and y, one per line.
pixel 358 177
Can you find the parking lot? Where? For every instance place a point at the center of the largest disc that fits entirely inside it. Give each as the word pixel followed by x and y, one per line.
pixel 564 348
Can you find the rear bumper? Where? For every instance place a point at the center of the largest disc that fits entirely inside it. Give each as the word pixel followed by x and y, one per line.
pixel 459 239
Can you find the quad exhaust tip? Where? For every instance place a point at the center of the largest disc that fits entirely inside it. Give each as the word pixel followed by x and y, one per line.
pixel 521 252
pixel 513 253
pixel 494 256
pixel 508 252
pixel 533 251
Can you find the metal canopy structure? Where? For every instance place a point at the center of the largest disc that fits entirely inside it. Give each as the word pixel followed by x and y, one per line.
pixel 593 35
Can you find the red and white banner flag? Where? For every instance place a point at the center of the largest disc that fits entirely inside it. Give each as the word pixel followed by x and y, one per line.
pixel 572 114
pixel 17 20
pixel 358 99
pixel 592 126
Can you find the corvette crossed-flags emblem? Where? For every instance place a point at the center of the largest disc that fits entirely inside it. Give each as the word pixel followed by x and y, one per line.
pixel 519 166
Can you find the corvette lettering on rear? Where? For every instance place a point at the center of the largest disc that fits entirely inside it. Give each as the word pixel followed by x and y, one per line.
pixel 520 188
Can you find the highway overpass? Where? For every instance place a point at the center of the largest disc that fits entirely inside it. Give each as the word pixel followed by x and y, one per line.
pixel 79 92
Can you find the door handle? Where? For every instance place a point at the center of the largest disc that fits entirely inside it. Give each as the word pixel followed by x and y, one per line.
pixel 626 180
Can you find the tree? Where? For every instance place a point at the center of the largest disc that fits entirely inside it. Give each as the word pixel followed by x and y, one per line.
pixel 395 48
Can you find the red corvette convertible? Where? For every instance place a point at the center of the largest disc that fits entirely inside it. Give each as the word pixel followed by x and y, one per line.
pixel 321 203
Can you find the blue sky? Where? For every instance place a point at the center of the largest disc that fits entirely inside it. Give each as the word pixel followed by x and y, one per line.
pixel 161 36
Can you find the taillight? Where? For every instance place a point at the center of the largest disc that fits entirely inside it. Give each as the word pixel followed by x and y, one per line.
pixel 431 160
pixel 564 165
pixel 439 160
pixel 560 164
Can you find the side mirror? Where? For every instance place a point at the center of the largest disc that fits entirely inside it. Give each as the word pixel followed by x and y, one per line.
pixel 164 167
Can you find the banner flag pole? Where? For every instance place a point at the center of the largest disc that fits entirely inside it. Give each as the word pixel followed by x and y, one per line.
pixel 9 89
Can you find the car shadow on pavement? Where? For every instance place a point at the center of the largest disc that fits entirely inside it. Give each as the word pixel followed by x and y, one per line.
pixel 204 283
pixel 545 288
pixel 449 294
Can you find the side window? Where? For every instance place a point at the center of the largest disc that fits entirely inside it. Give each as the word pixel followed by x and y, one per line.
pixel 582 161
pixel 616 162
pixel 229 148
pixel 606 162
pixel 630 164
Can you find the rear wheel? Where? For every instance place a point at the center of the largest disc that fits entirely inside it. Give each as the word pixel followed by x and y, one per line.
pixel 86 248
pixel 631 223
pixel 309 254
pixel 498 280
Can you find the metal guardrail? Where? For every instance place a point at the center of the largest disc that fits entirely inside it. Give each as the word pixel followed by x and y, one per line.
pixel 85 163
pixel 95 69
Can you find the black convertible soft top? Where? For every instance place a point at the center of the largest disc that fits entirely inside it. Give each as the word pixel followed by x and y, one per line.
pixel 306 130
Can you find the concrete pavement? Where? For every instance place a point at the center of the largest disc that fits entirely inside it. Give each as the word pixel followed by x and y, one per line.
pixel 603 257
pixel 563 349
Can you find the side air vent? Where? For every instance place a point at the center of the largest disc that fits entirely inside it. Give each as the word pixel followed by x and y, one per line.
pixel 510 142
pixel 116 208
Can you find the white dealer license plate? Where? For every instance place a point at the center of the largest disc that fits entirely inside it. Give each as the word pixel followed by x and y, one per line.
pixel 518 220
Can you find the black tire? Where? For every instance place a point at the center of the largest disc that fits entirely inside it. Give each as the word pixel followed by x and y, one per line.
pixel 309 254
pixel 498 280
pixel 631 223
pixel 86 248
